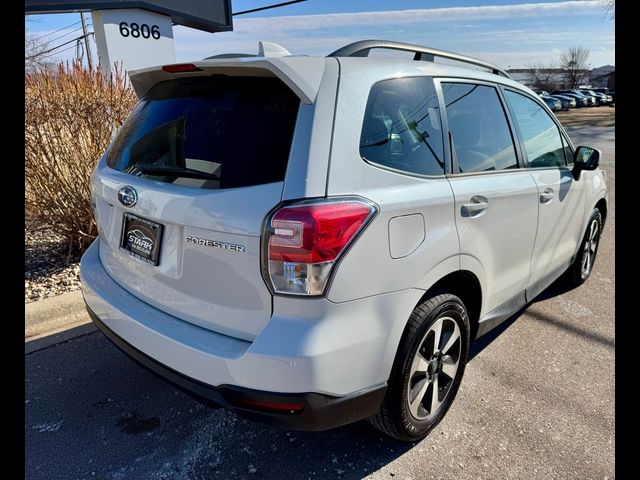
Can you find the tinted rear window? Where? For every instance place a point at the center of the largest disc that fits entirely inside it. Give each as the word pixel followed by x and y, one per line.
pixel 209 132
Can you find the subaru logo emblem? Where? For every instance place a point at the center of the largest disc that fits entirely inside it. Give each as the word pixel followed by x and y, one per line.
pixel 127 196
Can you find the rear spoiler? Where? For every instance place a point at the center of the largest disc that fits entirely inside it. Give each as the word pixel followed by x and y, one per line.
pixel 301 74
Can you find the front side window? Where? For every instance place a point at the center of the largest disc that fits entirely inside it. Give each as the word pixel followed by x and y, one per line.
pixel 401 128
pixel 538 131
pixel 480 135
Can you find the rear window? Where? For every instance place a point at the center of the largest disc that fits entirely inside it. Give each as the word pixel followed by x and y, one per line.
pixel 209 132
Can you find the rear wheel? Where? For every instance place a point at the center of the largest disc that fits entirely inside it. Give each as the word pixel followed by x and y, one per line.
pixel 582 266
pixel 427 370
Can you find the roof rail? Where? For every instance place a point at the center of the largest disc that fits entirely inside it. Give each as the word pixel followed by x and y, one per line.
pixel 363 47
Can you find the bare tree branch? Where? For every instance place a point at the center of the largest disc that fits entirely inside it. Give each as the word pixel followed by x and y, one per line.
pixel 574 63
pixel 35 48
pixel 541 76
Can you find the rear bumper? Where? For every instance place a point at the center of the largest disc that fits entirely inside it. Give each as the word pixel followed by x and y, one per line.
pixel 334 359
pixel 317 411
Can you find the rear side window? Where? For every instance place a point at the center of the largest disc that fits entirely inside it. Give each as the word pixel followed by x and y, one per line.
pixel 209 132
pixel 538 131
pixel 480 135
pixel 401 128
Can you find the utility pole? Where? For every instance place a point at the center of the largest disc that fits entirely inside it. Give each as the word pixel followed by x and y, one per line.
pixel 85 33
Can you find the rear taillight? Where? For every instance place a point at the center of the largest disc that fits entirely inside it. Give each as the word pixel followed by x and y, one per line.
pixel 303 242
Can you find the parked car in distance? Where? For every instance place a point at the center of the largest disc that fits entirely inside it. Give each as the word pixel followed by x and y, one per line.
pixel 591 99
pixel 602 98
pixel 604 90
pixel 567 102
pixel 595 101
pixel 553 103
pixel 581 100
pixel 610 94
pixel 292 238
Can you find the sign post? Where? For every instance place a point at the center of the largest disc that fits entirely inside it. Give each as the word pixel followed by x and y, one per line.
pixel 139 33
pixel 136 38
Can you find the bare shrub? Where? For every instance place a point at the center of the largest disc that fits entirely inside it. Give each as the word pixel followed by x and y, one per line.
pixel 71 115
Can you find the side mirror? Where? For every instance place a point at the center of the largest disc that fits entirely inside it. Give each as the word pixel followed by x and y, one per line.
pixel 585 158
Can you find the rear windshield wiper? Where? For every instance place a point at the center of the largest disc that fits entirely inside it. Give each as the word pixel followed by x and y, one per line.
pixel 177 171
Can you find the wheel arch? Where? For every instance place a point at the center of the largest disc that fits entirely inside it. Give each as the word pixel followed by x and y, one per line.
pixel 461 283
pixel 460 275
pixel 602 206
pixel 465 285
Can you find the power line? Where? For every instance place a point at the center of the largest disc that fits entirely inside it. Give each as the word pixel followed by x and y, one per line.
pixel 58 46
pixel 268 7
pixel 64 35
pixel 60 29
pixel 71 47
pixel 61 51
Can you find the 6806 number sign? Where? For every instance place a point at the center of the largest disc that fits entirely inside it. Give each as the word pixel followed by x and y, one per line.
pixel 137 30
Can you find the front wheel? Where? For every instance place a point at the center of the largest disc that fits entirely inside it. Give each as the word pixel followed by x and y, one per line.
pixel 427 370
pixel 582 266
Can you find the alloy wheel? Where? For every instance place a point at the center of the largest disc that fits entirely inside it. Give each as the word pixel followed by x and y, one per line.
pixel 434 368
pixel 590 247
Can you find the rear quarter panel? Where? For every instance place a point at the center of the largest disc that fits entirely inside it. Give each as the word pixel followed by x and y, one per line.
pixel 369 268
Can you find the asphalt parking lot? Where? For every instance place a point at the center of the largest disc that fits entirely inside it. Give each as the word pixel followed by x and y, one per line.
pixel 537 401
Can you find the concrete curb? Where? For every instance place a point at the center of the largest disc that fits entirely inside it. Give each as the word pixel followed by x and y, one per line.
pixel 55 320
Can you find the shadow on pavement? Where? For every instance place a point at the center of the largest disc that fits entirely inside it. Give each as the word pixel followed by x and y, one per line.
pixel 556 288
pixel 91 412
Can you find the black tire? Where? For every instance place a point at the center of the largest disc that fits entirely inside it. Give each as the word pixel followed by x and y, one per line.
pixel 396 417
pixel 576 274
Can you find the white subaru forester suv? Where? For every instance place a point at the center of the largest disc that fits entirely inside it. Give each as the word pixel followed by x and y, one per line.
pixel 312 241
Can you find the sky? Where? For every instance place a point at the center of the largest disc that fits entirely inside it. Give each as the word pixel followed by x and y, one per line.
pixel 508 33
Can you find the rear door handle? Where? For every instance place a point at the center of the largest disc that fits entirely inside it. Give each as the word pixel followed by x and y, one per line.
pixel 547 195
pixel 476 206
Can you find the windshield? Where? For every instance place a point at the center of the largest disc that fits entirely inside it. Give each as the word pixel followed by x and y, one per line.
pixel 209 132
